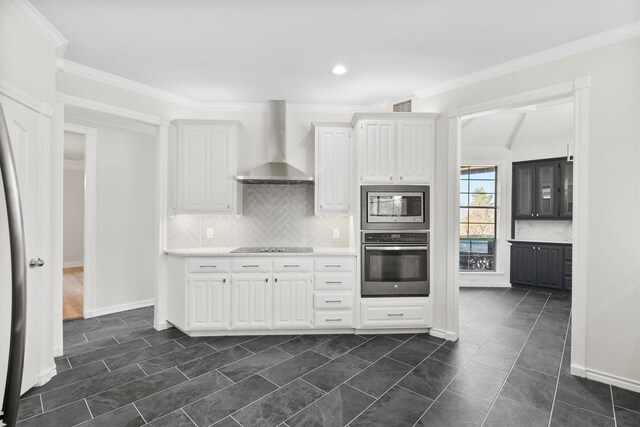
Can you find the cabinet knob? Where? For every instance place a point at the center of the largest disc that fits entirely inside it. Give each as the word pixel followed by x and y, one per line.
pixel 531 214
pixel 537 214
pixel 538 247
pixel 320 206
pixel 390 178
pixel 400 178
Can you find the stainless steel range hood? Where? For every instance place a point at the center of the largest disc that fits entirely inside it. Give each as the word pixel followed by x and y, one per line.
pixel 277 170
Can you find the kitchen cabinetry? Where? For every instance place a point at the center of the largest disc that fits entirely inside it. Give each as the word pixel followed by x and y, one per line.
pixel 543 189
pixel 208 299
pixel 292 301
pixel 395 147
pixel 250 301
pixel 541 265
pixel 260 293
pixel 205 166
pixel 333 168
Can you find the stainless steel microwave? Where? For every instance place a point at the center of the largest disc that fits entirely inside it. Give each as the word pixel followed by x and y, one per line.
pixel 395 207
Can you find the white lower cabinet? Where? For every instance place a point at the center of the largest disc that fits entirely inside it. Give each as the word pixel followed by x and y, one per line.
pixel 396 312
pixel 250 301
pixel 292 296
pixel 209 301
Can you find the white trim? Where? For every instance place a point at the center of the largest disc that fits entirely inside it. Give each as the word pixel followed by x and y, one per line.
pixel 578 90
pixel 580 222
pixel 485 285
pixel 162 184
pixel 118 308
pixel 56 189
pixel 602 377
pixel 73 165
pixel 568 49
pixel 29 101
pixel 131 125
pixel 89 104
pixel 445 335
pixel 70 264
pixel 164 95
pixel 45 377
pixel 453 229
pixel 40 23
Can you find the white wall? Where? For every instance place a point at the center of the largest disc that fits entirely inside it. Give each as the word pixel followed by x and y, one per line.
pixel 73 214
pixel 612 281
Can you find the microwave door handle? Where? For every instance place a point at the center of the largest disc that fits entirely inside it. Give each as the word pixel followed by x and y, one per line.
pixel 396 248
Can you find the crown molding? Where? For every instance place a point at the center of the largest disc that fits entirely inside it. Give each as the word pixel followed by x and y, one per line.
pixel 579 46
pixel 40 23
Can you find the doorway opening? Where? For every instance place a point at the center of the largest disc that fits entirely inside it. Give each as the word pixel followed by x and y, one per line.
pixel 73 225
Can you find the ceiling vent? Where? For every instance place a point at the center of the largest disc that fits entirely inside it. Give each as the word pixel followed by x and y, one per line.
pixel 402 107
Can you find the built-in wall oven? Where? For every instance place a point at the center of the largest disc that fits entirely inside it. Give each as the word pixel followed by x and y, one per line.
pixel 395 207
pixel 395 264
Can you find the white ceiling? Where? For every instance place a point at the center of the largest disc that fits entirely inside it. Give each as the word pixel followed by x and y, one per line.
pixel 540 125
pixel 255 50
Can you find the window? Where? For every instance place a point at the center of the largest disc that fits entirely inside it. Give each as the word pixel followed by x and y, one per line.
pixel 478 218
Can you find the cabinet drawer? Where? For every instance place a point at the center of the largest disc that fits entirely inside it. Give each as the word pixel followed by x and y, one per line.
pixel 331 282
pixel 395 316
pixel 333 319
pixel 282 265
pixel 331 300
pixel 208 265
pixel 334 264
pixel 251 265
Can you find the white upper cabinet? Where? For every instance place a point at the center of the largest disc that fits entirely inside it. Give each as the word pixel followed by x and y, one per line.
pixel 416 147
pixel 206 165
pixel 395 147
pixel 333 176
pixel 377 143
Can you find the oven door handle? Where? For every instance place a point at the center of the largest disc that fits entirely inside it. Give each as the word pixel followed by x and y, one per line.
pixel 396 248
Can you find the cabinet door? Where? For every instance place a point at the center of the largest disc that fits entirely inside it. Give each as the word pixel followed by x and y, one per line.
pixel 415 152
pixel 209 301
pixel 292 301
pixel 377 146
pixel 549 266
pixel 207 165
pixel 523 264
pixel 333 170
pixel 566 190
pixel 546 190
pixel 250 301
pixel 194 153
pixel 523 189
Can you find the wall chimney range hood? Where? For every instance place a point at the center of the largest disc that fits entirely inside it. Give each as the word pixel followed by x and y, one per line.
pixel 277 170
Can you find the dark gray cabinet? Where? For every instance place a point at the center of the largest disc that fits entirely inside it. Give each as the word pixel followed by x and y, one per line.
pixel 543 189
pixel 540 265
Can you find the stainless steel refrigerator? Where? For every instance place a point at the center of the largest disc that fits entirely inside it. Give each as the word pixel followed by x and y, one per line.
pixel 13 232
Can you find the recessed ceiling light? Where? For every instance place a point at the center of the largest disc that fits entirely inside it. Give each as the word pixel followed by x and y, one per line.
pixel 339 70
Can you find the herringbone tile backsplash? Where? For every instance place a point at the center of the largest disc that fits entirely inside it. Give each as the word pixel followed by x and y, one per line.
pixel 274 215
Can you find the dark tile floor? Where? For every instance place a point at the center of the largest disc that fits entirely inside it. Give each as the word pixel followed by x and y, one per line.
pixel 509 368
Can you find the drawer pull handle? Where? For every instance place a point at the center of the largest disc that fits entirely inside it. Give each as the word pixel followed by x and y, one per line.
pixel 332 320
pixel 337 300
pixel 333 283
pixel 395 314
pixel 251 265
pixel 333 265
pixel 292 265
pixel 208 266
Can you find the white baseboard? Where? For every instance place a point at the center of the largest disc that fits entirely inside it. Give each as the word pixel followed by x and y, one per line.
pixel 445 335
pixel 118 308
pixel 70 264
pixel 602 377
pixel 58 351
pixel 46 376
pixel 161 326
pixel 484 285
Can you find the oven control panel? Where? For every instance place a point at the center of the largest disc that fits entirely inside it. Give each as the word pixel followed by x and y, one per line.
pixel 391 237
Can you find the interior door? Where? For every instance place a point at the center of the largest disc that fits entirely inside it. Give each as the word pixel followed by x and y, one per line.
pixel 27 142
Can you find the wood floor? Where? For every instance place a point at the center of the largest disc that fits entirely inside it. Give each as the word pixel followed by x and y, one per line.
pixel 73 294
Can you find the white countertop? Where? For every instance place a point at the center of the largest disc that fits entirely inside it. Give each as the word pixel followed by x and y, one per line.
pixel 555 242
pixel 227 252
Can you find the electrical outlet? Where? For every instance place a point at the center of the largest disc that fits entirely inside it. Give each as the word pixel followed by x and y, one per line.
pixel 209 233
pixel 336 233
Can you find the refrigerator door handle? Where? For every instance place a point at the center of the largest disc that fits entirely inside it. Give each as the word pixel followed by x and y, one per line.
pixel 18 277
